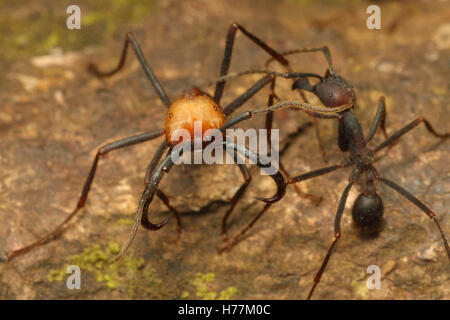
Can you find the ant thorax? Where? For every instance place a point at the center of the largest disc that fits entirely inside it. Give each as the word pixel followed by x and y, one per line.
pixel 195 107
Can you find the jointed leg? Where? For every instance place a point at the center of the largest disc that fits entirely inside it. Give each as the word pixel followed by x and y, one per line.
pixel 379 120
pixel 320 112
pixel 269 121
pixel 324 49
pixel 269 116
pixel 237 196
pixel 337 235
pixel 318 172
pixel 278 179
pixel 87 185
pixel 316 127
pixel 315 199
pixel 239 101
pixel 394 137
pixel 326 113
pixel 285 75
pixel 233 241
pixel 264 164
pixel 421 206
pixel 129 38
pixel 229 50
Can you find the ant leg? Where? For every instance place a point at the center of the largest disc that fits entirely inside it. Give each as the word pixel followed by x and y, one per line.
pixel 315 199
pixel 421 206
pixel 324 50
pixel 285 75
pixel 235 240
pixel 144 203
pixel 265 165
pixel 316 127
pixel 318 172
pixel 234 27
pixel 317 111
pixel 379 120
pixel 288 140
pixel 396 135
pixel 129 38
pixel 269 116
pixel 320 112
pixel 239 101
pixel 337 236
pixel 237 196
pixel 269 125
pixel 87 185
pixel 277 177
pixel 269 121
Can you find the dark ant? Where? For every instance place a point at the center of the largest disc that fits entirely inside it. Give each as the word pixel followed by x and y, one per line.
pixel 368 208
pixel 334 91
pixel 195 106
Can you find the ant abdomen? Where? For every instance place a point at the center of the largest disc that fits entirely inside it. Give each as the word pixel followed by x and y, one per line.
pixel 367 214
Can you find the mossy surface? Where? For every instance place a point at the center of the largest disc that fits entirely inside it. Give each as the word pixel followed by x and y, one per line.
pixel 36 31
pixel 205 288
pixel 127 275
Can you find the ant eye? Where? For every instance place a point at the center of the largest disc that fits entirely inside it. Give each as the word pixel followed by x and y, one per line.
pixel 215 108
pixel 170 115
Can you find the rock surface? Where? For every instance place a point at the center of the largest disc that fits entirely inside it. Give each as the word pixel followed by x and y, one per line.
pixel 54 114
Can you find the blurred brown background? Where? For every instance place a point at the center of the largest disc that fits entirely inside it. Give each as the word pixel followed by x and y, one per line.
pixel 53 116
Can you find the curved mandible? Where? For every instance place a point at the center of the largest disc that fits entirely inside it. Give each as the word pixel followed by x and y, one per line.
pixel 144 203
pixel 264 164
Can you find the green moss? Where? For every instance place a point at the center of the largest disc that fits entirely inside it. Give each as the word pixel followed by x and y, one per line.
pixel 228 293
pixel 42 27
pixel 205 285
pixel 128 274
pixel 56 275
pixel 125 222
pixel 360 288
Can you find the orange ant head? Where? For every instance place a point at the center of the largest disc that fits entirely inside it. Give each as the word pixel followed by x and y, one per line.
pixel 195 106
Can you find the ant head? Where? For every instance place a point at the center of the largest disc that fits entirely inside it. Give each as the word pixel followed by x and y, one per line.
pixel 332 89
pixel 195 106
pixel 367 214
